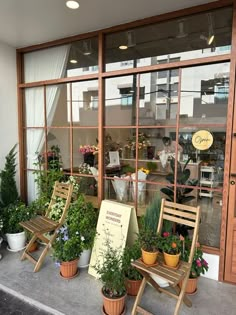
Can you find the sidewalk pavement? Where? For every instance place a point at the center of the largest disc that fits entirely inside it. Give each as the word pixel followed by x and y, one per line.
pixel 50 293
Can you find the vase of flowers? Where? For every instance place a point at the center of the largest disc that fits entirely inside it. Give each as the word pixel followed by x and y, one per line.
pixel 88 152
pixel 199 266
pixel 171 246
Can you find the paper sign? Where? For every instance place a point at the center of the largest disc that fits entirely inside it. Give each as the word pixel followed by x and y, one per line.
pixel 117 220
pixel 202 140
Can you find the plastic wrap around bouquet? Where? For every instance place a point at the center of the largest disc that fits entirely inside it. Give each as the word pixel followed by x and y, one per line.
pixel 141 187
pixel 121 187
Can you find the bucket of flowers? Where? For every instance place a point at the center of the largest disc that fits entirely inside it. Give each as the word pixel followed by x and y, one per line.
pixel 88 152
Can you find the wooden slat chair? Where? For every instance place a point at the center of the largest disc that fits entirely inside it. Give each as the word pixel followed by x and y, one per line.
pixel 176 213
pixel 42 224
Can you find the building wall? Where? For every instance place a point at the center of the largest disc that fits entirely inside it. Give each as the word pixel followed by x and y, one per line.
pixel 8 102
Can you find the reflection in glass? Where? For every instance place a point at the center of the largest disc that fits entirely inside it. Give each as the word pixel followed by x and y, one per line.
pixel 204 94
pixel 55 105
pixel 170 41
pixel 210 226
pixel 84 103
pixel 120 101
pixel 83 57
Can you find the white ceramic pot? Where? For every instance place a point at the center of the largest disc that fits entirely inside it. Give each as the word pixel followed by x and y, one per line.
pixel 84 258
pixel 16 241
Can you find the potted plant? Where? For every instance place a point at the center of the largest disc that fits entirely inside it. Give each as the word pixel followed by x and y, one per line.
pixel 133 276
pixel 199 266
pixel 171 246
pixel 13 214
pixel 111 273
pixel 147 236
pixel 86 216
pixel 67 248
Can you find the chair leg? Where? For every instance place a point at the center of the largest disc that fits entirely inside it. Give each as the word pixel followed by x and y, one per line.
pixel 42 257
pixel 33 239
pixel 182 297
pixel 139 296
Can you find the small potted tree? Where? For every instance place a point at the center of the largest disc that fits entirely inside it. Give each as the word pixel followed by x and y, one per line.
pixel 111 273
pixel 132 275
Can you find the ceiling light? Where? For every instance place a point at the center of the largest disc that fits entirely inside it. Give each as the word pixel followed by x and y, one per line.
pixel 87 47
pixel 123 47
pixel 73 61
pixel 210 39
pixel 72 4
pixel 130 41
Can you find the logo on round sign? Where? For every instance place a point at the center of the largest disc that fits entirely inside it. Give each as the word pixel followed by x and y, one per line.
pixel 202 140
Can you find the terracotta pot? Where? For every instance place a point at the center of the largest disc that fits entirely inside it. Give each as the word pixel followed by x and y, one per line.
pixel 113 306
pixel 191 286
pixel 69 269
pixel 149 258
pixel 132 286
pixel 33 247
pixel 171 260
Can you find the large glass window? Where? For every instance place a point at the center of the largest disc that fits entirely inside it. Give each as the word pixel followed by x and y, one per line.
pixel 178 39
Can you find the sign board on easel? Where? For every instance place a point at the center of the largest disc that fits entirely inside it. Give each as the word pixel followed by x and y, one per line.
pixel 120 222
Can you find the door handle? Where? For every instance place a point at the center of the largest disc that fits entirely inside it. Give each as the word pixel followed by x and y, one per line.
pixel 232 182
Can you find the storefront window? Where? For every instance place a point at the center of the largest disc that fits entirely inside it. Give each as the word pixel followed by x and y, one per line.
pixel 168 42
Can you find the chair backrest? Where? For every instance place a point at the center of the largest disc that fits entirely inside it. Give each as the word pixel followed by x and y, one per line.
pixel 64 192
pixel 182 214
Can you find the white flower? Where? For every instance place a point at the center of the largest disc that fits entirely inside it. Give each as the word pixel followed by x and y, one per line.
pixel 82 238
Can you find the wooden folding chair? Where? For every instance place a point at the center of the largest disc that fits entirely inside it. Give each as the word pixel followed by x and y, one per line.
pixel 176 213
pixel 40 225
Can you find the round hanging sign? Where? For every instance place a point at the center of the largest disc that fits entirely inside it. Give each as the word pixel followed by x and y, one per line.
pixel 202 140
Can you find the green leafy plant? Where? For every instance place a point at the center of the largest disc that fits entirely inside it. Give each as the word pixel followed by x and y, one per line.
pixel 68 244
pixel 84 216
pixel 182 193
pixel 183 174
pixel 152 166
pixel 199 264
pixel 110 270
pixel 131 253
pixel 147 236
pixel 8 188
pixel 15 213
pixel 170 243
pixel 45 178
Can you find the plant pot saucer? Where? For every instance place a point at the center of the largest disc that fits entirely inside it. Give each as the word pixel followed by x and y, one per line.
pixel 193 293
pixel 104 313
pixel 147 265
pixel 175 268
pixel 72 277
pixel 15 250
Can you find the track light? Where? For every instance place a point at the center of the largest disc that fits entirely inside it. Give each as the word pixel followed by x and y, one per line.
pixel 72 4
pixel 130 41
pixel 87 47
pixel 181 33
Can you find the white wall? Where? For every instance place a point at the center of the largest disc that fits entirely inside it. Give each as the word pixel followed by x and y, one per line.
pixel 8 102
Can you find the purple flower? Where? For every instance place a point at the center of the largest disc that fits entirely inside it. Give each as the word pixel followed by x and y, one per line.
pixel 57 264
pixel 65 238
